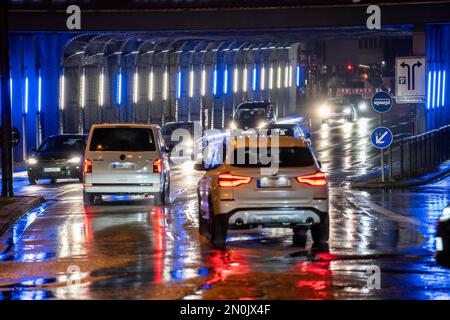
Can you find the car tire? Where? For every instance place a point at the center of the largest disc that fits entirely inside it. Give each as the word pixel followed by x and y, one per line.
pixel 320 232
pixel 52 181
pixel 88 198
pixel 167 193
pixel 299 237
pixel 218 229
pixel 32 180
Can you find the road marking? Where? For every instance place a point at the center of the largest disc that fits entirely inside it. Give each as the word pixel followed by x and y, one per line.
pixel 379 209
pixel 57 195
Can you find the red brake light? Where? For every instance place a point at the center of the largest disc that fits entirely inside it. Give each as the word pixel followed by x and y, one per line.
pixel 316 180
pixel 229 180
pixel 157 166
pixel 87 166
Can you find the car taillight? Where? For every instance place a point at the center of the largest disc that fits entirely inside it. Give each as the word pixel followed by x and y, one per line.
pixel 317 179
pixel 229 180
pixel 87 166
pixel 157 166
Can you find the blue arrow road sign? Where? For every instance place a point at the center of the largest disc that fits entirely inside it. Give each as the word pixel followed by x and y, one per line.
pixel 381 102
pixel 382 137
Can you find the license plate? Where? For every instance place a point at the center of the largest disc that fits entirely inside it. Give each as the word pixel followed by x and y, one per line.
pixel 274 183
pixel 122 166
pixel 52 169
pixel 439 244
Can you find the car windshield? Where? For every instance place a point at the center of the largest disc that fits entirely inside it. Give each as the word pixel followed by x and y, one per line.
pixel 288 157
pixel 122 139
pixel 339 102
pixel 62 144
pixel 250 117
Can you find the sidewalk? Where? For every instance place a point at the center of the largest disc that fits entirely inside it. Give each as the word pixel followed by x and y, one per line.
pixel 372 180
pixel 16 209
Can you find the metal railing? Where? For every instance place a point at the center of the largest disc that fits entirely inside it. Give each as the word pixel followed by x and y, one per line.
pixel 418 155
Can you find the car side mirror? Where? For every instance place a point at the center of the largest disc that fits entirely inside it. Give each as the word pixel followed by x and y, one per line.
pixel 199 166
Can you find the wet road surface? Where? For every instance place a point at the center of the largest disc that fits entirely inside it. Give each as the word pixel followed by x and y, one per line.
pixel 136 250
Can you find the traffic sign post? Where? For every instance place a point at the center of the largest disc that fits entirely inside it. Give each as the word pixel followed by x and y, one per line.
pixel 382 137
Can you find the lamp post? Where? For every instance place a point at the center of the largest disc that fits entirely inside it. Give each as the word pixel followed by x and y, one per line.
pixel 38 112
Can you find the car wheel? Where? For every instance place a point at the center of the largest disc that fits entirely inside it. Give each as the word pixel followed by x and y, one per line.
pixel 167 193
pixel 163 197
pixel 88 198
pixel 32 180
pixel 52 181
pixel 218 229
pixel 320 232
pixel 203 226
pixel 299 237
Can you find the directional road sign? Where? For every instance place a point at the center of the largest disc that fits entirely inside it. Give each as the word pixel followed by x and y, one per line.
pixel 382 137
pixel 381 102
pixel 410 75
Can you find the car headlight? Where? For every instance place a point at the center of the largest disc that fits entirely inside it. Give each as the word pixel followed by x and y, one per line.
pixel 347 111
pixel 32 161
pixel 233 125
pixel 445 215
pixel 324 111
pixel 75 160
pixel 261 124
pixel 188 143
pixel 362 106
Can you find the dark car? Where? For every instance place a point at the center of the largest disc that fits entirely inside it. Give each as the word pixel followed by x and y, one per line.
pixel 186 141
pixel 361 104
pixel 58 157
pixel 252 115
pixel 443 239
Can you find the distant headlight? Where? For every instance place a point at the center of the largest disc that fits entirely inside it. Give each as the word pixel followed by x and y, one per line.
pixel 261 124
pixel 233 125
pixel 75 160
pixel 445 215
pixel 32 161
pixel 347 111
pixel 324 111
pixel 362 106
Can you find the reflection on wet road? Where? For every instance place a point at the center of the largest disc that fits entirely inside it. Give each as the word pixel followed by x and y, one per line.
pixel 134 249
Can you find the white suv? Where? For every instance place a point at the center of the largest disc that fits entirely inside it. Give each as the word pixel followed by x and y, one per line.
pixel 238 194
pixel 126 159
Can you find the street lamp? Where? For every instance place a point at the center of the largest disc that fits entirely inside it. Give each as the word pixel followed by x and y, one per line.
pixel 82 101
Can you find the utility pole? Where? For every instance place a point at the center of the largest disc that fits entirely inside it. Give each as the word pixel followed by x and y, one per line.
pixel 7 170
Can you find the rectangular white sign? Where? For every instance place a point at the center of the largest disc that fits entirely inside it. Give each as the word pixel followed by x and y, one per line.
pixel 410 77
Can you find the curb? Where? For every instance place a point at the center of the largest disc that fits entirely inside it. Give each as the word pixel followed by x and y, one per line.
pixel 12 212
pixel 414 182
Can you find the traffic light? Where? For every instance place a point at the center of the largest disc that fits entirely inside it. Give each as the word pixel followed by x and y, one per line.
pixel 349 67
